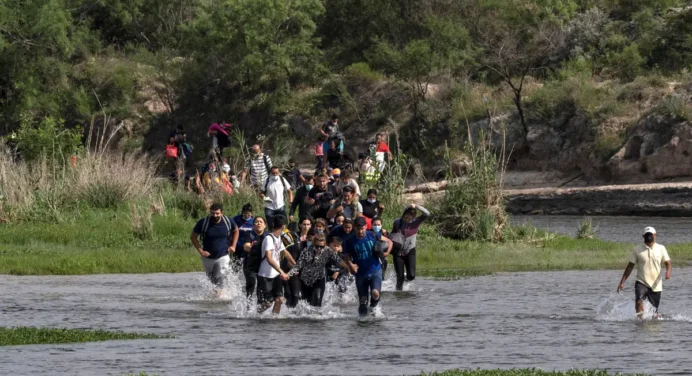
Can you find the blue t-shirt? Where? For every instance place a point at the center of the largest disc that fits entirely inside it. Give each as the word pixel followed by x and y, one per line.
pixel 244 226
pixel 216 240
pixel 339 232
pixel 361 252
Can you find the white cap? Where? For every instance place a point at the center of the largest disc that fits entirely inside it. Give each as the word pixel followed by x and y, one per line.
pixel 649 230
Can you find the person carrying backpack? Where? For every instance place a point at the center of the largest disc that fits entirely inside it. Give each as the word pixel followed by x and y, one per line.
pixel 274 193
pixel 258 165
pixel 252 246
pixel 219 235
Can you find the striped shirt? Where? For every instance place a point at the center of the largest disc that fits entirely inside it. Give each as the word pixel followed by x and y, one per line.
pixel 259 168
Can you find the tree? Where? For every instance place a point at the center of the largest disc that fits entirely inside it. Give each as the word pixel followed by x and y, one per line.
pixel 514 52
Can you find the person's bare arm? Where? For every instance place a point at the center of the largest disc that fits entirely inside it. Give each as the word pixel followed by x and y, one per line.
pixel 331 213
pixel 353 268
pixel 289 258
pixel 669 269
pixel 194 237
pixel 234 239
pixel 274 264
pixel 290 195
pixel 625 275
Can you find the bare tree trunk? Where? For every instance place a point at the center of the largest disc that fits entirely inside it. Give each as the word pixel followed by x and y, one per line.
pixel 520 109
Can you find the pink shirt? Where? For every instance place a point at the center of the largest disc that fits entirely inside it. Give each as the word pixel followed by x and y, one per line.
pixel 219 128
pixel 319 149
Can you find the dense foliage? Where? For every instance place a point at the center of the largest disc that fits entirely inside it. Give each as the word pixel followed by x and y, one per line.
pixel 261 62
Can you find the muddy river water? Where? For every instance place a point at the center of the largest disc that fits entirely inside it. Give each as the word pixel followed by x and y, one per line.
pixel 551 320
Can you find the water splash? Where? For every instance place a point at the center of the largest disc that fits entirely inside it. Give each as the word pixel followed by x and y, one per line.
pixel 618 308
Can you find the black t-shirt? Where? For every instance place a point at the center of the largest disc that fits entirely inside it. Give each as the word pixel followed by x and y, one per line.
pixel 370 210
pixel 216 240
pixel 321 206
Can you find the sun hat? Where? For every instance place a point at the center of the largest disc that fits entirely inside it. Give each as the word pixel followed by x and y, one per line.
pixel 649 230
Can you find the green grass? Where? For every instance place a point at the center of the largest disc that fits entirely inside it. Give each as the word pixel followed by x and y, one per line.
pixel 103 242
pixel 37 336
pixel 518 372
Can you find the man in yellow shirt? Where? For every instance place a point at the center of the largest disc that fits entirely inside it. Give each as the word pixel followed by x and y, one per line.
pixel 648 258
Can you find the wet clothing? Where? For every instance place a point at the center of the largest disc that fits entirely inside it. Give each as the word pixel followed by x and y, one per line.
pixel 216 269
pixel 312 263
pixel 361 252
pixel 314 292
pixel 292 291
pixel 250 282
pixel 642 291
pixel 216 240
pixel 407 262
pixel 649 261
pixel 244 227
pixel 365 284
pixel 269 289
pixel 410 230
pixel 274 245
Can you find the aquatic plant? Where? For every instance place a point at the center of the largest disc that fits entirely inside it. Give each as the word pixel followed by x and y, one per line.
pixel 586 229
pixel 35 336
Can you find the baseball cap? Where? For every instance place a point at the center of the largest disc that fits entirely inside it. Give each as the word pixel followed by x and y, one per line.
pixel 336 172
pixel 360 222
pixel 649 230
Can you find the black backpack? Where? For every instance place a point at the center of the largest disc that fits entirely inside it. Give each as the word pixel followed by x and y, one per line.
pixel 205 226
pixel 255 256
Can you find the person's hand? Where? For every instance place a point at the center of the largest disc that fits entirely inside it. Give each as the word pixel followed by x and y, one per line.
pixel 331 202
pixel 412 206
pixel 621 287
pixel 339 209
pixel 204 253
pixel 354 268
pixel 335 276
pixel 284 276
pixel 262 196
pixel 290 217
pixel 668 273
pixel 231 249
pixel 381 206
pixel 310 201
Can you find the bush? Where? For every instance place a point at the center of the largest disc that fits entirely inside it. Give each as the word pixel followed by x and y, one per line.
pixel 674 106
pixel 48 138
pixel 473 206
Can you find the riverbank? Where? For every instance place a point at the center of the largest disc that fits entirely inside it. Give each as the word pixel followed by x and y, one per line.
pixel 543 194
pixel 104 243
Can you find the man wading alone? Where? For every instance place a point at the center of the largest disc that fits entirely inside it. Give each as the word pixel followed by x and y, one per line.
pixel 219 236
pixel 360 248
pixel 648 258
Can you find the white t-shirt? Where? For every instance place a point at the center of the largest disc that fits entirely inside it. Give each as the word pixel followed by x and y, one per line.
pixel 352 182
pixel 648 262
pixel 276 246
pixel 276 191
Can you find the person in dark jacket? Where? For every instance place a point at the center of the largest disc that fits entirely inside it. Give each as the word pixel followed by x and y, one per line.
pixel 299 199
pixel 404 236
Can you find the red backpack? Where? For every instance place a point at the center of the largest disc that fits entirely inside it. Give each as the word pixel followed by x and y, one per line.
pixel 171 151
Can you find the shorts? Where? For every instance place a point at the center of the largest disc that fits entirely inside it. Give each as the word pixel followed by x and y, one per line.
pixel 367 283
pixel 216 269
pixel 268 289
pixel 642 291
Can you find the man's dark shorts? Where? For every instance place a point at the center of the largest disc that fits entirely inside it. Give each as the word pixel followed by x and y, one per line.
pixel 642 291
pixel 269 288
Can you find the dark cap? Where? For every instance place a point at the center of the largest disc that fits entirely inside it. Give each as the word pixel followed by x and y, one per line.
pixel 360 222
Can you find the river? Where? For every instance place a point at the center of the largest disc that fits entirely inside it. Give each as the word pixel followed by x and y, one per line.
pixel 551 320
pixel 619 229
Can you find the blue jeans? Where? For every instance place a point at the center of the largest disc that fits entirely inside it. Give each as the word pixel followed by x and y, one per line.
pixel 366 284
